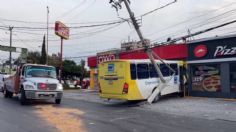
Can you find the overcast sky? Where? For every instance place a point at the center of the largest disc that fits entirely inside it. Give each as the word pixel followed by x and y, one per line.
pixel 172 21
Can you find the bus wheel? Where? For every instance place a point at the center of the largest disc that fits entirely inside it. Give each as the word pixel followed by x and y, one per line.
pixel 181 94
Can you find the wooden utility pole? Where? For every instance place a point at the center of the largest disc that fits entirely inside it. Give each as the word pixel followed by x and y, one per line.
pixel 10 56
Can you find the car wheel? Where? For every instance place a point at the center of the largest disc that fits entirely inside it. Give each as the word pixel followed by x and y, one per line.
pixel 5 93
pixel 58 101
pixel 10 94
pixel 23 99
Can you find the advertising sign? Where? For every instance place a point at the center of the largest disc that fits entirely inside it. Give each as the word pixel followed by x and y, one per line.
pixel 213 49
pixel 206 78
pixel 61 30
pixel 106 56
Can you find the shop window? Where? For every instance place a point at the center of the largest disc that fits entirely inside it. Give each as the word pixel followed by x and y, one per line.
pixel 152 71
pixel 233 77
pixel 206 78
pixel 133 71
pixel 142 71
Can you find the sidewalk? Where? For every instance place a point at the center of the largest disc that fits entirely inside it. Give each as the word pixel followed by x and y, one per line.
pixel 210 108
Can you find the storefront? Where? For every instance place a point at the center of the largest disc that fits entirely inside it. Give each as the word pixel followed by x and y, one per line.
pixel 212 67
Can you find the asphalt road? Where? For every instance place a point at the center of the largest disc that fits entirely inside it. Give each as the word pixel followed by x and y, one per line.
pixel 99 117
pixel 17 118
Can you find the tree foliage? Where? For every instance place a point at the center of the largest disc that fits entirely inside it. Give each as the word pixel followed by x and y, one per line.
pixel 33 57
pixel 43 58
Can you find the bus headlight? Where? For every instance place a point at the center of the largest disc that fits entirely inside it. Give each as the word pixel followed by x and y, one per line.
pixel 59 87
pixel 29 87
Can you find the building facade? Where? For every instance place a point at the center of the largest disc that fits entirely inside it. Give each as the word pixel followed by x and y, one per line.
pixel 212 67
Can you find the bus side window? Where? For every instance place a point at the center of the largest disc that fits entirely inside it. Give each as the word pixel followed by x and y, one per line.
pixel 175 67
pixel 142 71
pixel 152 71
pixel 133 71
pixel 164 70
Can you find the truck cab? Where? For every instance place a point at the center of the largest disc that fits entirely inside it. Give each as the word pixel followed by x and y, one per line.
pixel 33 81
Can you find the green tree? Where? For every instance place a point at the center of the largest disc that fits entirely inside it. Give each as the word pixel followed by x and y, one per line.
pixel 70 69
pixel 33 57
pixel 43 58
pixel 83 71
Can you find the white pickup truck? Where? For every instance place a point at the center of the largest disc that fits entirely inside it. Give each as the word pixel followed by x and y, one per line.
pixel 33 81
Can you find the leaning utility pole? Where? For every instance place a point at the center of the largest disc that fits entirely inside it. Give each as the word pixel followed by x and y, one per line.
pixel 135 23
pixel 150 53
pixel 10 57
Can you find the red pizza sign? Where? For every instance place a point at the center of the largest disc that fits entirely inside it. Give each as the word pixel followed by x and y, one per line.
pixel 61 30
pixel 200 51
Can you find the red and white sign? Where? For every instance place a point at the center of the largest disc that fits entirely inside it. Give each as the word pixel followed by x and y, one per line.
pixel 61 30
pixel 108 57
pixel 200 51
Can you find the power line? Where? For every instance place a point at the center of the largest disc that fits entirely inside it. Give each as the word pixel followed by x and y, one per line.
pixel 74 27
pixel 203 23
pixel 191 19
pixel 215 18
pixel 152 11
pixel 89 6
pixel 72 9
pixel 199 32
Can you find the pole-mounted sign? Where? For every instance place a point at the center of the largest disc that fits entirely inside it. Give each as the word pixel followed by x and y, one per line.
pixel 62 31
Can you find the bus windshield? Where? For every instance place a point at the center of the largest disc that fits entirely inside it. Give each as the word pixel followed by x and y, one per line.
pixel 40 71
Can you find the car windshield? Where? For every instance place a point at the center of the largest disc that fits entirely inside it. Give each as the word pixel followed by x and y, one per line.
pixel 40 71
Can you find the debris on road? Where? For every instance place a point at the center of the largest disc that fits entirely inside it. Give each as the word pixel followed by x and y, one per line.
pixel 64 119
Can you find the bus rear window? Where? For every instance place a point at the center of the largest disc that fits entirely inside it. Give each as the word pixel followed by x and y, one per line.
pixel 142 71
pixel 133 71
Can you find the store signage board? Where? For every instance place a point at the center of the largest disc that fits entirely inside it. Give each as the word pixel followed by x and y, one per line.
pixel 213 49
pixel 106 56
pixel 61 30
pixel 224 50
pixel 200 51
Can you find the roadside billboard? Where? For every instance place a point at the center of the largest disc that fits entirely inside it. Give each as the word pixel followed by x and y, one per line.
pixel 61 30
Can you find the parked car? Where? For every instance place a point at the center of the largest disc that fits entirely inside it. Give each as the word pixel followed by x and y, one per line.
pixel 2 77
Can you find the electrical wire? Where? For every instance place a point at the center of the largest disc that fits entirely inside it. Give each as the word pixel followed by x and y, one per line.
pixel 71 10
pixel 159 8
pixel 75 27
pixel 191 19
pixel 88 7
